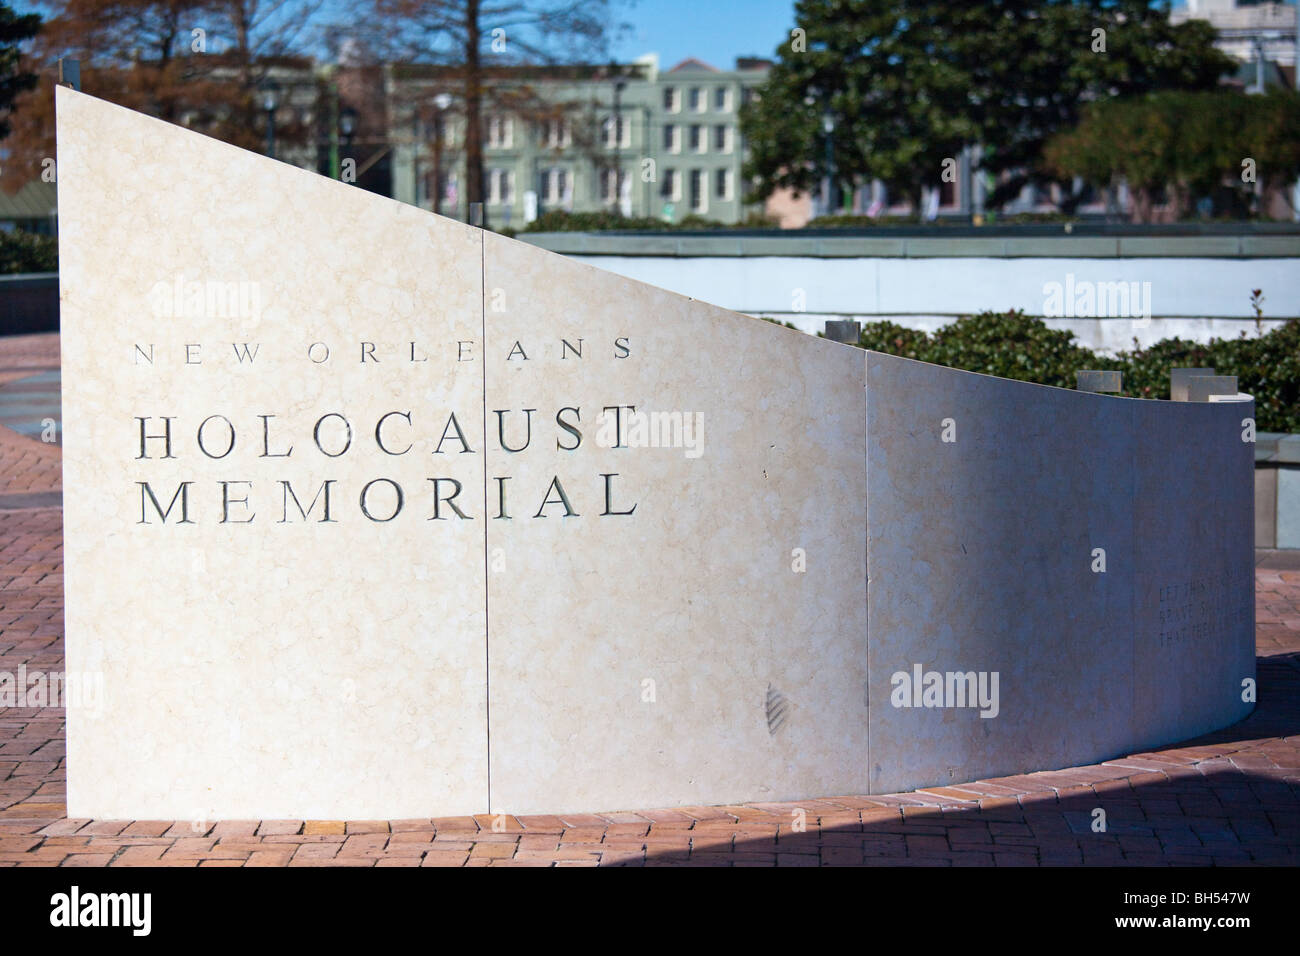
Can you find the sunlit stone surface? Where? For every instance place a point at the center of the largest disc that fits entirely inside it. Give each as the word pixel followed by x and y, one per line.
pixel 369 514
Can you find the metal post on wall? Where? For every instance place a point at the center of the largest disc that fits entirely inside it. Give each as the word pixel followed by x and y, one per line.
pixel 70 73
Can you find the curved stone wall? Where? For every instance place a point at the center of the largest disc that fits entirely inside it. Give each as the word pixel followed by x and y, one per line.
pixel 369 514
pixel 985 554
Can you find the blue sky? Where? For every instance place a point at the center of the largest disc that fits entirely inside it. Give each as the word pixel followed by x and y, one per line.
pixel 715 31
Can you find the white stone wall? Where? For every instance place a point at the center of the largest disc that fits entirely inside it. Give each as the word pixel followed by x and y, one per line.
pixel 541 604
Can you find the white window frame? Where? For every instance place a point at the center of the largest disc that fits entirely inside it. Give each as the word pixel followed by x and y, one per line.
pixel 554 192
pixel 728 184
pixel 703 192
pixel 558 134
pixel 501 132
pixel 674 104
pixel 608 132
pixel 616 178
pixel 725 106
pixel 674 139
pixel 728 142
pixel 499 177
pixel 673 178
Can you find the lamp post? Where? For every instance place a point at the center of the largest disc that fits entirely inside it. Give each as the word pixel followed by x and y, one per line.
pixel 815 95
pixel 441 103
pixel 620 83
pixel 828 127
pixel 270 91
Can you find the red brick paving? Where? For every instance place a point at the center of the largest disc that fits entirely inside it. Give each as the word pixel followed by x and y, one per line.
pixel 1229 798
pixel 26 465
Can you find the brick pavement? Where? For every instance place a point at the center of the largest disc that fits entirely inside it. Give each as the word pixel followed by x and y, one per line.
pixel 26 465
pixel 1229 798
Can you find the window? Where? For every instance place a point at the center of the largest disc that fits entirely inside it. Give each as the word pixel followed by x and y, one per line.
pixel 501 187
pixel 672 139
pixel 671 187
pixel 695 99
pixel 501 132
pixel 556 183
pixel 722 99
pixel 672 101
pixel 431 129
pixel 623 139
pixel 699 201
pixel 748 94
pixel 722 139
pixel 556 134
pixel 722 184
pixel 612 185
pixel 696 138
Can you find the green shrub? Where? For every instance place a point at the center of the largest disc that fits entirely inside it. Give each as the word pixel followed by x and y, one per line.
pixel 1013 345
pixel 557 220
pixel 1006 344
pixel 28 252
pixel 859 221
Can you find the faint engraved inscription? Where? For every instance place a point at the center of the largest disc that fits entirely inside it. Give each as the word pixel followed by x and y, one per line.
pixel 1196 610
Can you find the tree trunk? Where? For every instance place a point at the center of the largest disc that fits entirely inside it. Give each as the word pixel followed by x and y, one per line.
pixel 1141 204
pixel 475 180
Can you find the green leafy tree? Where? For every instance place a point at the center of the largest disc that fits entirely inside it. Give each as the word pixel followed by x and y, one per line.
pixel 1175 142
pixel 908 83
pixel 15 30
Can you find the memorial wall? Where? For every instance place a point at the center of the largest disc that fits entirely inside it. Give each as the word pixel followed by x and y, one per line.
pixel 371 514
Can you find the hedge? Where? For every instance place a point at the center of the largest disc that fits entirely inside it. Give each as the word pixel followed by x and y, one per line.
pixel 558 220
pixel 28 252
pixel 1014 345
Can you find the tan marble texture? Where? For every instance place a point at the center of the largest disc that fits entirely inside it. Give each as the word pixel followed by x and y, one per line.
pixel 697 590
pixel 299 669
pixel 707 604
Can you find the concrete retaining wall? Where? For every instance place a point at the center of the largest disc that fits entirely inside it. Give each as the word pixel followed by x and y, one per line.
pixel 1193 287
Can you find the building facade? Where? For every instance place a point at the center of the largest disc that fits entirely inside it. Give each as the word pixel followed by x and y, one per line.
pixel 627 139
pixel 1249 32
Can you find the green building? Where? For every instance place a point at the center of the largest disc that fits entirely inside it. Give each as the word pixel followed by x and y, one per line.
pixel 578 138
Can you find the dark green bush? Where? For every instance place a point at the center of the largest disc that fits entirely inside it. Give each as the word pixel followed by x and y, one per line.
pixel 1006 344
pixel 28 252
pixel 557 220
pixel 859 221
pixel 1013 345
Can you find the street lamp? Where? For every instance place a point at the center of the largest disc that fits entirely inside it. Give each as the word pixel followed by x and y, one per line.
pixel 441 103
pixel 348 124
pixel 1257 43
pixel 270 91
pixel 620 84
pixel 828 127
pixel 814 95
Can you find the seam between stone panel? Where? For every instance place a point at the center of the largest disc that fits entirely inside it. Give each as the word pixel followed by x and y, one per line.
pixel 1135 478
pixel 487 656
pixel 866 547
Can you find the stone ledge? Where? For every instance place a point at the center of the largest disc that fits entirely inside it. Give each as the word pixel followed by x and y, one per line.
pixel 884 246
